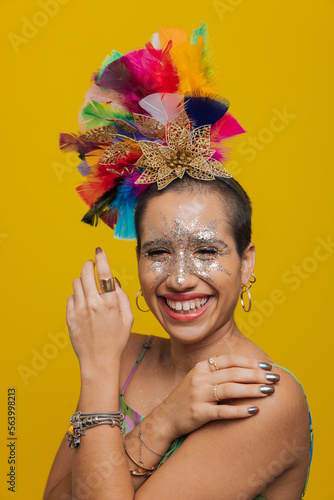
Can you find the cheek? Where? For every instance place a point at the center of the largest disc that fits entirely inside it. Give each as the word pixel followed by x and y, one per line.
pixel 210 270
pixel 152 273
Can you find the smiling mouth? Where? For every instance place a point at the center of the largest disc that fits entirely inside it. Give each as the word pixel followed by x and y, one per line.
pixel 186 306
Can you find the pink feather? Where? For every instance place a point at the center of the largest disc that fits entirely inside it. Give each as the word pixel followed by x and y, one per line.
pixel 225 128
pixel 101 94
pixel 139 74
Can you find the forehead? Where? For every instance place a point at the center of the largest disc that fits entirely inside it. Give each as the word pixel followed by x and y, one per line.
pixel 178 213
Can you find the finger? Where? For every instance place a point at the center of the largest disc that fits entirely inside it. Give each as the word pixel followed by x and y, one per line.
pixel 230 360
pixel 89 283
pixel 78 293
pixel 217 412
pixel 244 375
pixel 124 305
pixel 104 273
pixel 232 390
pixel 102 266
pixel 69 307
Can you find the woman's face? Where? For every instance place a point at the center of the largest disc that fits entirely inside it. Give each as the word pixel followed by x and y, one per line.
pixel 189 268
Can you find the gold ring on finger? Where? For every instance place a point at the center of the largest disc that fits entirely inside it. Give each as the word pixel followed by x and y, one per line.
pixel 106 285
pixel 212 362
pixel 215 392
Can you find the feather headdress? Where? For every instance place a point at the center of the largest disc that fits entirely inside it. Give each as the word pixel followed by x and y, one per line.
pixel 151 115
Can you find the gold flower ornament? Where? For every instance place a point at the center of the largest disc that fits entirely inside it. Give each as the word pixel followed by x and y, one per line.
pixel 186 151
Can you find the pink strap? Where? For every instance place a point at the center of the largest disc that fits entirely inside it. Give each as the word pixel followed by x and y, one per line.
pixel 147 345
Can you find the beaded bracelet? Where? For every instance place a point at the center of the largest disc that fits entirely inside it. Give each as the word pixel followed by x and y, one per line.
pixel 81 421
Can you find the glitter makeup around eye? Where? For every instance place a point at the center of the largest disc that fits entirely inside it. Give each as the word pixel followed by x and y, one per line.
pixel 180 242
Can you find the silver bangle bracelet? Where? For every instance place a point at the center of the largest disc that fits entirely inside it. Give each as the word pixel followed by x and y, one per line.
pixel 81 421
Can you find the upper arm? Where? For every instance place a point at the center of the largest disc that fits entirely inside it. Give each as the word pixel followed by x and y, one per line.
pixel 238 458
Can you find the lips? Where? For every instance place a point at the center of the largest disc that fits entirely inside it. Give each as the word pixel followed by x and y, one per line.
pixel 185 306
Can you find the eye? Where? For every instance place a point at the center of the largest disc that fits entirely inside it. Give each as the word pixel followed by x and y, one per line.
pixel 157 252
pixel 207 251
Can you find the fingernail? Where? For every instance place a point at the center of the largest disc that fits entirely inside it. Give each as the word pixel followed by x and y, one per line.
pixel 272 377
pixel 267 389
pixel 252 410
pixel 98 250
pixel 265 366
pixel 118 283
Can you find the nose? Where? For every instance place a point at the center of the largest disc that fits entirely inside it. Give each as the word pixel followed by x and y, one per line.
pixel 179 276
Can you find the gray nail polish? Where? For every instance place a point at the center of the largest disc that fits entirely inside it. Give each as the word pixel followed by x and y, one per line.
pixel 252 410
pixel 267 389
pixel 265 366
pixel 272 377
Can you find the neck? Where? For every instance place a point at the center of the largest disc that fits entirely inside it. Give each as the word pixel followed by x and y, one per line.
pixel 225 340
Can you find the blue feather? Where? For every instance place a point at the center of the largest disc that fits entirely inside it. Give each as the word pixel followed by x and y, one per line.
pixel 204 110
pixel 125 204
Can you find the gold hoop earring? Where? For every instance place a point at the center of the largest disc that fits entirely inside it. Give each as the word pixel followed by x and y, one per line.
pixel 252 280
pixel 140 293
pixel 245 288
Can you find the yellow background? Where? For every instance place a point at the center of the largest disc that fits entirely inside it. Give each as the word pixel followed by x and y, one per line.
pixel 271 56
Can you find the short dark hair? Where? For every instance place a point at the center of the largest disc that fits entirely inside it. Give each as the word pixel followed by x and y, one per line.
pixel 236 203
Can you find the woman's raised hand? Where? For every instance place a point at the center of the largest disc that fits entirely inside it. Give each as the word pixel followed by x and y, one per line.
pixel 99 324
pixel 214 390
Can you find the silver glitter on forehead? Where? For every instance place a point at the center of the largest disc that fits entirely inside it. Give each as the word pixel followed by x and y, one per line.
pixel 175 250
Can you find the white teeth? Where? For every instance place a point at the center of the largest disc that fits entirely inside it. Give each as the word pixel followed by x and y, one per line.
pixel 186 306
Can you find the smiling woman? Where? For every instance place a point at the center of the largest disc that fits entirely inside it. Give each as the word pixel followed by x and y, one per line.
pixel 202 414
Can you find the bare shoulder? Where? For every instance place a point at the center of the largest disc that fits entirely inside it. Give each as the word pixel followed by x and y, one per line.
pixel 265 454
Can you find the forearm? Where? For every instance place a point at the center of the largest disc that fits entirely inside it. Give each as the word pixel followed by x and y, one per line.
pixel 100 469
pixel 147 443
pixel 64 487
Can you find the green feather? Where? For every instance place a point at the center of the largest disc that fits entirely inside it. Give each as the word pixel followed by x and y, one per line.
pixel 201 31
pixel 206 56
pixel 109 59
pixel 95 114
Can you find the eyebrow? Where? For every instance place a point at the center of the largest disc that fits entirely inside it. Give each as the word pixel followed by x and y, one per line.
pixel 211 240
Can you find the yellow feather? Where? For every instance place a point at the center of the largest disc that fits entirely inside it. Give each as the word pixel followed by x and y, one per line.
pixel 93 157
pixel 176 35
pixel 189 61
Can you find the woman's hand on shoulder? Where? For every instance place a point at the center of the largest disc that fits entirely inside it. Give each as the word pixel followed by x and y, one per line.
pixel 99 324
pixel 242 457
pixel 226 379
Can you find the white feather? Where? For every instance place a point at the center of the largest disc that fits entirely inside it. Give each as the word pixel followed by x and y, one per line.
pixel 155 40
pixel 162 107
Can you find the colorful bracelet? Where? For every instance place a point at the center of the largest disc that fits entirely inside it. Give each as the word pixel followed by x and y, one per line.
pixel 81 421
